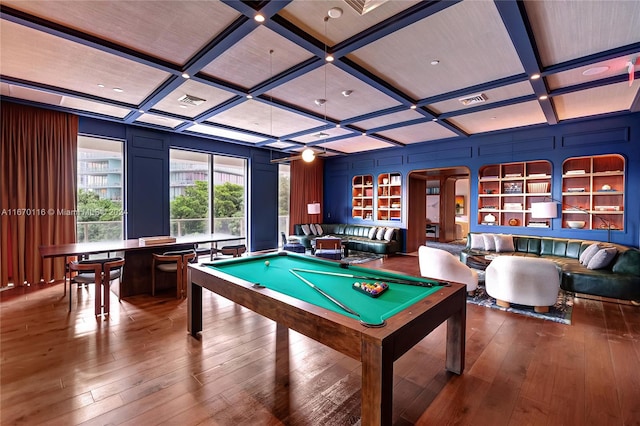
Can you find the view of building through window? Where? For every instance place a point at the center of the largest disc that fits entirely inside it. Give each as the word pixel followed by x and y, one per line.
pixel 195 208
pixel 284 179
pixel 99 215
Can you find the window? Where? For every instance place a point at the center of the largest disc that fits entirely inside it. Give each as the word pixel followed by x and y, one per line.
pixel 207 193
pixel 99 215
pixel 284 193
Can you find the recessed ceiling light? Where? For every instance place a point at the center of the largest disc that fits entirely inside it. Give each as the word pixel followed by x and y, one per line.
pixel 249 97
pixel 100 85
pixel 183 106
pixel 364 133
pixel 338 125
pixel 435 62
pixel 414 106
pixel 535 76
pixel 185 75
pixel 543 97
pixel 259 18
pixel 117 89
pixel 347 93
pixel 595 70
pixel 335 12
pixel 434 119
pixel 141 111
pixel 329 57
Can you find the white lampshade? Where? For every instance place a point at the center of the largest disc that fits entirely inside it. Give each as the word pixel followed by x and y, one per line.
pixel 308 155
pixel 313 208
pixel 546 210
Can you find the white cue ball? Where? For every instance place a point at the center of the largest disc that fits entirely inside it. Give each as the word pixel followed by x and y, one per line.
pixel 266 263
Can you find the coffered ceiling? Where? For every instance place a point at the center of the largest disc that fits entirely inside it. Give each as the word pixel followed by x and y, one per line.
pixel 405 66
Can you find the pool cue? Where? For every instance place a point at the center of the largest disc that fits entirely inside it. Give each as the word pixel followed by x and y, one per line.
pixel 362 277
pixel 313 286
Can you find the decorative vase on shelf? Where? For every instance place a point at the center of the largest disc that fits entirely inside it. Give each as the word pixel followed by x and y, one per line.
pixel 490 218
pixel 385 181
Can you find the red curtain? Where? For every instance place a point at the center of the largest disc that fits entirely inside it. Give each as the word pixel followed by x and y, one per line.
pixel 306 187
pixel 38 159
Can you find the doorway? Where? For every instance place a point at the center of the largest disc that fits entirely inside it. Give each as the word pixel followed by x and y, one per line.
pixel 438 205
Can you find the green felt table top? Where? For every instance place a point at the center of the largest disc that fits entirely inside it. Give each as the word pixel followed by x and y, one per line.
pixel 277 276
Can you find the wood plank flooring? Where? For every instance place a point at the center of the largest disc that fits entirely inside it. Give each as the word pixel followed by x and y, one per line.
pixel 139 367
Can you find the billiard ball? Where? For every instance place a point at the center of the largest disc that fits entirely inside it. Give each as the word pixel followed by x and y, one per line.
pixel 266 263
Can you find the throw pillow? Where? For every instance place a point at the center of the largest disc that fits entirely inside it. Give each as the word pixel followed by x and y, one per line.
pixel 388 234
pixel 380 233
pixel 319 230
pixel 602 258
pixel 503 243
pixel 477 242
pixel 372 233
pixel 628 263
pixel 305 229
pixel 588 253
pixel 312 228
pixel 489 242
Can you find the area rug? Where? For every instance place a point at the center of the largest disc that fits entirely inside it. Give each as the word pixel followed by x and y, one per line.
pixel 560 312
pixel 453 247
pixel 356 257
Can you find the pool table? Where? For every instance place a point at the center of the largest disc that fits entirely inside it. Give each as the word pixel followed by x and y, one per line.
pixel 315 297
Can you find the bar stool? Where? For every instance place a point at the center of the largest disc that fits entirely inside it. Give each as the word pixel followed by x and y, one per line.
pixel 173 261
pixel 100 272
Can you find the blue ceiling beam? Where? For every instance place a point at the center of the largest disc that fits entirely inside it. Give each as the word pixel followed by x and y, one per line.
pixel 396 125
pixel 289 31
pixel 386 139
pixel 376 114
pixel 594 84
pixel 228 104
pixel 515 21
pixel 287 75
pixel 473 89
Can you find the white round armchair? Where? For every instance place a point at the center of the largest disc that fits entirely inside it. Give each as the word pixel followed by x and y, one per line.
pixel 442 265
pixel 523 280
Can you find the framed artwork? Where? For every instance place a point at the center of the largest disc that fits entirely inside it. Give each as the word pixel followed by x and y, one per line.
pixel 459 205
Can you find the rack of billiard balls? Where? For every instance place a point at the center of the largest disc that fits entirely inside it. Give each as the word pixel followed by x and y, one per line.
pixel 373 289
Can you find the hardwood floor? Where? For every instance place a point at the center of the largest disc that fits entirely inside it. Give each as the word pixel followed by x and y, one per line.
pixel 140 367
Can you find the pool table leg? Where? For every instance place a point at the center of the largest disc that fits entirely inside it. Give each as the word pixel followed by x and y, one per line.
pixel 456 332
pixel 194 309
pixel 377 384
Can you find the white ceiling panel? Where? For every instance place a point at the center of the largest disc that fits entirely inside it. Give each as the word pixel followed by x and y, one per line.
pixel 309 16
pixel 250 61
pixel 159 120
pixel 357 143
pixel 526 113
pixel 600 100
pixel 423 132
pixel 262 118
pixel 328 82
pixel 566 30
pixel 40 57
pixel 469 39
pixel 170 30
pixel 212 96
pixel 224 133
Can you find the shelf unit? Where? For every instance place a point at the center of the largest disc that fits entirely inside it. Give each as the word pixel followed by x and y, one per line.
pixel 362 197
pixel 506 191
pixel 389 197
pixel 593 191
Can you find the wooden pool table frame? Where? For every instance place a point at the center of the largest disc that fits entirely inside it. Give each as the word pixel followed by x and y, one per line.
pixel 376 348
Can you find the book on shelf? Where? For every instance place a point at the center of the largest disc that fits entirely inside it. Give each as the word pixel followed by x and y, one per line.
pixel 538 224
pixel 511 175
pixel 575 172
pixel 538 175
pixel 575 190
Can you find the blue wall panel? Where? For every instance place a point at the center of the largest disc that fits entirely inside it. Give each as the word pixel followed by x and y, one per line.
pixel 615 134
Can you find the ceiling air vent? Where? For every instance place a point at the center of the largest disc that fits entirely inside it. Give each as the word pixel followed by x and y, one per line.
pixel 364 6
pixel 473 99
pixel 191 100
pixel 321 135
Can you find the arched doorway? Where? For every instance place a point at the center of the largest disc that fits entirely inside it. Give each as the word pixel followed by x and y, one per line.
pixel 438 205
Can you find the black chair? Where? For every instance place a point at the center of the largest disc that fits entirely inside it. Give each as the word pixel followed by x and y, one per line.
pixel 173 262
pixel 100 272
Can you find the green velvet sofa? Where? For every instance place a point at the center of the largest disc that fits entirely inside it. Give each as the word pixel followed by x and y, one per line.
pixel 619 280
pixel 356 236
